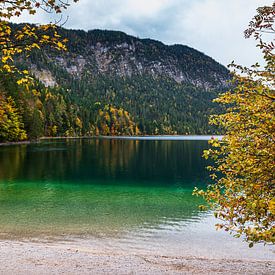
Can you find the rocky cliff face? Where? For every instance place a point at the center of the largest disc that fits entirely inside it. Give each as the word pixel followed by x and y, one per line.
pixel 118 54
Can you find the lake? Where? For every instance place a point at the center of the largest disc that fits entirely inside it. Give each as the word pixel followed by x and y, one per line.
pixel 131 194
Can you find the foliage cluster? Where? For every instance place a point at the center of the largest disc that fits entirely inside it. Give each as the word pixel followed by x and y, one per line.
pixel 11 126
pixel 18 41
pixel 243 189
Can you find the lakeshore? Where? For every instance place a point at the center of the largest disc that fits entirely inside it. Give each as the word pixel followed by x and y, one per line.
pixel 114 206
pixel 153 137
pixel 19 257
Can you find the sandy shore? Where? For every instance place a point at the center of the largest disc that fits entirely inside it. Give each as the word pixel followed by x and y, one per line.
pixel 28 257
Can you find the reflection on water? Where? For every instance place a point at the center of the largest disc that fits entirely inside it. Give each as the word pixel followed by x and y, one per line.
pixel 98 186
pixel 88 160
pixel 132 195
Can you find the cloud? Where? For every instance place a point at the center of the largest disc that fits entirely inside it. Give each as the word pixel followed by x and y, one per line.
pixel 214 27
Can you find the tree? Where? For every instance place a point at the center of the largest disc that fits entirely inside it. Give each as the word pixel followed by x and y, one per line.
pixel 11 126
pixel 36 129
pixel 22 40
pixel 242 192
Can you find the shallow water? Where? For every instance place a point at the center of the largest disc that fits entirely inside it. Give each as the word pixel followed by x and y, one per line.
pixel 136 193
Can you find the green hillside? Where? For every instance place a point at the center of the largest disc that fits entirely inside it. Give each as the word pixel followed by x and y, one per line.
pixel 110 83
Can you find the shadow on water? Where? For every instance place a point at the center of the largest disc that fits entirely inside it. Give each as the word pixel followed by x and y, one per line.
pixel 98 186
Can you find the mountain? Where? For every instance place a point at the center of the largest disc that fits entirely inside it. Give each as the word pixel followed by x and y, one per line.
pixel 112 83
pixel 112 53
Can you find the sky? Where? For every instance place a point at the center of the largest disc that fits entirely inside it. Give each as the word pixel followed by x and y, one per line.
pixel 214 27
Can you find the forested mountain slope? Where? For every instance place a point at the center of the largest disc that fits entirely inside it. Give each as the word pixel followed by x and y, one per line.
pixel 110 83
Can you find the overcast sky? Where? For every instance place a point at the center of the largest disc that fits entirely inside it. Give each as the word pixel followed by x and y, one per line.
pixel 214 27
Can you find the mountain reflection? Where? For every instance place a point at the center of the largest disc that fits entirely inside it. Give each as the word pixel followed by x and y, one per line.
pixel 90 160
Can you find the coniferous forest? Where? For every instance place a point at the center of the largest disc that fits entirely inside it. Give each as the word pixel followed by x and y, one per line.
pixel 110 83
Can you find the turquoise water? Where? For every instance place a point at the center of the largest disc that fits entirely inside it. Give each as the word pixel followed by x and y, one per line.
pixel 98 186
pixel 119 194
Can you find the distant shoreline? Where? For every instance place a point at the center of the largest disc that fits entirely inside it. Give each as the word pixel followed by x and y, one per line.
pixel 147 137
pixel 18 142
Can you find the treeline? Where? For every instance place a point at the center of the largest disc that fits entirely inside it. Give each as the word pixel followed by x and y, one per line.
pixel 103 106
pixel 159 105
pixel 35 111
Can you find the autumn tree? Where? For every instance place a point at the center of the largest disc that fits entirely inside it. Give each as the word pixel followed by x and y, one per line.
pixel 22 40
pixel 11 126
pixel 113 121
pixel 242 192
